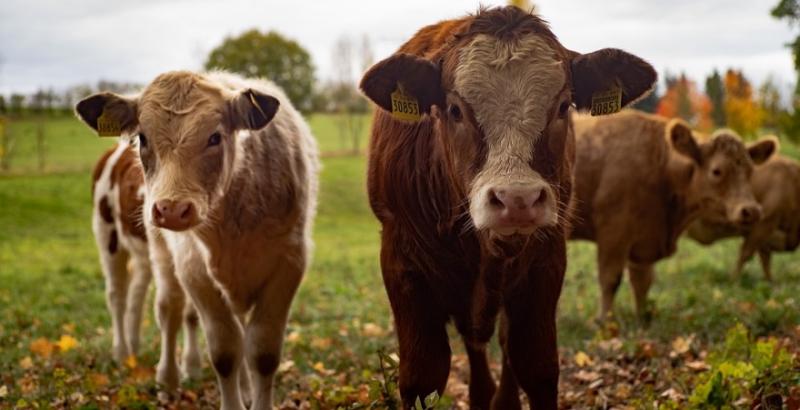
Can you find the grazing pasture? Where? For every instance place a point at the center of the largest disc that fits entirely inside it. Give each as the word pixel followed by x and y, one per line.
pixel 711 338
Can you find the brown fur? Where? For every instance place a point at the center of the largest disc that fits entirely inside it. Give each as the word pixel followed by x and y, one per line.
pixel 640 180
pixel 776 185
pixel 435 265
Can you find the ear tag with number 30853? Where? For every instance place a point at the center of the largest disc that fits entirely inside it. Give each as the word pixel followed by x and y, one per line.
pixel 404 107
pixel 607 102
pixel 107 126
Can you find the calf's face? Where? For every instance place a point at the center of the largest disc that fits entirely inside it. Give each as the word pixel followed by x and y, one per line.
pixel 186 129
pixel 722 167
pixel 500 102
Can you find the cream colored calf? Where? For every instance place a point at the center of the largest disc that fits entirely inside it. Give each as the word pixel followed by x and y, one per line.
pixel 230 172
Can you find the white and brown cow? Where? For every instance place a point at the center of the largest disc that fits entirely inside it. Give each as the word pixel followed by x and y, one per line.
pixel 124 248
pixel 230 171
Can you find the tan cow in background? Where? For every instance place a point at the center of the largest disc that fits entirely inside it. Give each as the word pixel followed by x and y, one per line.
pixel 641 179
pixel 776 185
pixel 230 171
pixel 125 249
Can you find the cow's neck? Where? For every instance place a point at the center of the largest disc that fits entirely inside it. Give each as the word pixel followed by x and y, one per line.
pixel 684 203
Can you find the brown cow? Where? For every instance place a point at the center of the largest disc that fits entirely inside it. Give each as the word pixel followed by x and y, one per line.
pixel 776 185
pixel 641 179
pixel 230 170
pixel 473 193
pixel 121 237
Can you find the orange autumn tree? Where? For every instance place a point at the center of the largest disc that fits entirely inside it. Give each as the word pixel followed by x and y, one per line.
pixel 743 113
pixel 683 100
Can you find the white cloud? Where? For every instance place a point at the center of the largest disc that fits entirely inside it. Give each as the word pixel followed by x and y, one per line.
pixel 56 43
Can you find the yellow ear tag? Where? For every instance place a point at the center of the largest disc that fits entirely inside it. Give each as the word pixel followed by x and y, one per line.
pixel 404 106
pixel 107 126
pixel 607 102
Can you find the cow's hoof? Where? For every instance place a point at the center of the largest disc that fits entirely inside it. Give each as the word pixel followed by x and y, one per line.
pixel 191 366
pixel 168 376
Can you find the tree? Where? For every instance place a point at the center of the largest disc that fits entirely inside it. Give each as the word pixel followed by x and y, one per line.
pixel 268 55
pixel 682 100
pixel 17 105
pixel 3 106
pixel 741 111
pixel 715 91
pixel 342 93
pixel 790 10
pixel 769 99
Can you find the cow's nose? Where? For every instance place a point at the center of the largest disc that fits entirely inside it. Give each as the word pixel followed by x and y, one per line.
pixel 517 205
pixel 174 215
pixel 749 214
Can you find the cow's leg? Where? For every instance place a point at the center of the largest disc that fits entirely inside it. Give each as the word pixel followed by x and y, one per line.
pixel 264 334
pixel 137 293
pixel 224 333
pixel 610 265
pixel 190 361
pixel 423 343
pixel 507 396
pixel 169 304
pixel 481 384
pixel 745 253
pixel 765 257
pixel 115 270
pixel 641 279
pixel 531 348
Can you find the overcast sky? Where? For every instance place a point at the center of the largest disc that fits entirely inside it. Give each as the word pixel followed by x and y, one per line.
pixel 59 43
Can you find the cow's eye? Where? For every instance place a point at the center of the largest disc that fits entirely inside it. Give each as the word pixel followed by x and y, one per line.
pixel 562 109
pixel 214 139
pixel 454 111
pixel 142 140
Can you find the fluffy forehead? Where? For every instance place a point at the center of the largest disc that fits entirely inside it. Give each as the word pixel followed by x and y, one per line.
pixel 180 102
pixel 725 144
pixel 510 83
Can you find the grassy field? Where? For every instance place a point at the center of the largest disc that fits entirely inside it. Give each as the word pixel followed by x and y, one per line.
pixel 55 342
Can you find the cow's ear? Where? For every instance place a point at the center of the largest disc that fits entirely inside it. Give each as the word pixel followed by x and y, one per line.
pixel 761 150
pixel 680 135
pixel 251 110
pixel 418 78
pixel 610 69
pixel 107 113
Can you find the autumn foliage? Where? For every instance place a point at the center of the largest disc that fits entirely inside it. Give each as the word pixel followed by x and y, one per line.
pixel 743 113
pixel 682 99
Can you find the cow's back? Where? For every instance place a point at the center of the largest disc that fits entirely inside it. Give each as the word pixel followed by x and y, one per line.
pixel 118 199
pixel 620 169
pixel 776 185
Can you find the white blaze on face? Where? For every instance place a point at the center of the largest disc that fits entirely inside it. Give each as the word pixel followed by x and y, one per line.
pixel 511 86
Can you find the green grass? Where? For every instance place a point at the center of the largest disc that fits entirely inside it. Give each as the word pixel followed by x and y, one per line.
pixel 50 277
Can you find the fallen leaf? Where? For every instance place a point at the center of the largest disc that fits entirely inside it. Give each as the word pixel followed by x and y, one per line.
pixel 68 327
pixel 682 344
pixel 26 363
pixel 623 391
pixel 586 376
pixel 318 366
pixel 372 330
pixel 3 391
pixel 293 337
pixel 285 366
pixel 130 362
pixel 698 365
pixel 582 359
pixel 67 343
pixel 673 395
pixel 99 379
pixel 42 347
pixel 321 343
